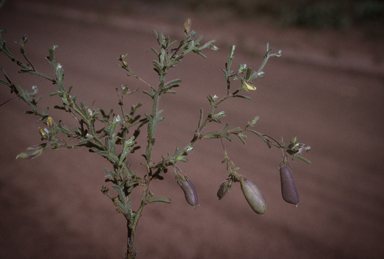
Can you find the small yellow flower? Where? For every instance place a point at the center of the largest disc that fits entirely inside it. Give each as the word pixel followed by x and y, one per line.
pixel 248 87
pixel 50 123
pixel 43 134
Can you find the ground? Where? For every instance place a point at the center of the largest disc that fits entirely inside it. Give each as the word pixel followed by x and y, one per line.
pixel 327 88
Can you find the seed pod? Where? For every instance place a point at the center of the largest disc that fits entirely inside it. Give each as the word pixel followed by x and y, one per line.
pixel 188 188
pixel 31 152
pixel 288 187
pixel 224 188
pixel 253 195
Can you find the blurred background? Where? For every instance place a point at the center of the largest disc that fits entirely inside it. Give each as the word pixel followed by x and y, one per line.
pixel 327 88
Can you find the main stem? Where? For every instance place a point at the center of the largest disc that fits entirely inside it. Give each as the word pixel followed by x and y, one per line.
pixel 132 223
pixel 153 124
pixel 131 227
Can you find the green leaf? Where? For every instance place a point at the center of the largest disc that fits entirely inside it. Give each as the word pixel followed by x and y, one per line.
pixel 120 191
pixel 243 96
pixel 172 83
pixel 157 36
pixel 261 136
pixel 177 152
pixel 159 199
pixel 172 43
pixel 126 149
pixel 155 51
pixel 123 208
pixel 4 82
pixel 228 138
pixel 242 138
pixel 109 174
pixel 111 157
pixel 158 119
pixel 303 159
pixel 201 54
pixel 253 122
pixel 149 94
pixel 219 115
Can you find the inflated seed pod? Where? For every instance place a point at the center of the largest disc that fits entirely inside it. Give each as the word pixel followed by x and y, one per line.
pixel 288 187
pixel 188 188
pixel 224 188
pixel 253 195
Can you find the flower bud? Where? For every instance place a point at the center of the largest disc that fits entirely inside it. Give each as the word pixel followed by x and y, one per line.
pixel 224 188
pixel 288 187
pixel 187 26
pixel 247 86
pixel 188 188
pixel 43 133
pixel 253 195
pixel 50 123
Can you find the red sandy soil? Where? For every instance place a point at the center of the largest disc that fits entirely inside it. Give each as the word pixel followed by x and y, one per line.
pixel 327 88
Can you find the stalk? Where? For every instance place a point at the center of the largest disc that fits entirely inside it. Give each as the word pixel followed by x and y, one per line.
pixel 131 227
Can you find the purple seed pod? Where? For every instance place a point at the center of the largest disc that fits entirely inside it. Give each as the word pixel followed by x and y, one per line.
pixel 253 195
pixel 224 188
pixel 188 188
pixel 288 187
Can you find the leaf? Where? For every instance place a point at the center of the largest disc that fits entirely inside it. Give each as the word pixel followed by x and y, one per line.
pixel 59 107
pixel 120 191
pixel 172 43
pixel 201 54
pixel 110 156
pixel 242 137
pixel 158 119
pixel 172 83
pixel 123 208
pixel 159 199
pixel 149 94
pixel 157 65
pixel 155 51
pixel 228 138
pixel 126 149
pixel 3 82
pixel 253 122
pixel 303 159
pixel 261 136
pixel 109 174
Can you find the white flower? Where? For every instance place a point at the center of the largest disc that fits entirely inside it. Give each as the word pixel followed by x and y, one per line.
pixel 213 47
